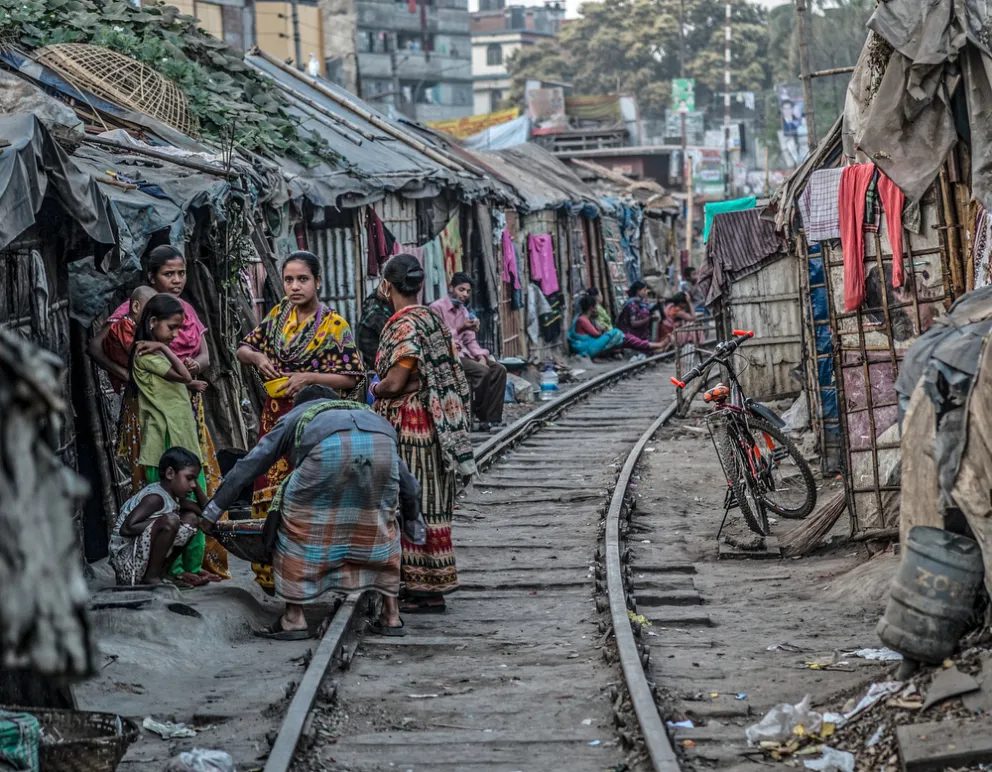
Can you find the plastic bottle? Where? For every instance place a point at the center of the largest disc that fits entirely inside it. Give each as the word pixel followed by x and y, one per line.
pixel 549 383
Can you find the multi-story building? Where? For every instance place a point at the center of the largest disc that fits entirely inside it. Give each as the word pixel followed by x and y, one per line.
pixel 412 55
pixel 417 59
pixel 498 32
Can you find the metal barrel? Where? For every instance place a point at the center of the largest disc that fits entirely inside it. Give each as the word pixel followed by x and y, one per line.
pixel 933 595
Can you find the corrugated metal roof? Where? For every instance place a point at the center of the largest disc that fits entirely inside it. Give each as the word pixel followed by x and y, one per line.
pixel 541 180
pixel 373 161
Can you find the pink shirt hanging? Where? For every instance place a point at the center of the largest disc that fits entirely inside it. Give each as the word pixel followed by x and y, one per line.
pixel 510 260
pixel 542 263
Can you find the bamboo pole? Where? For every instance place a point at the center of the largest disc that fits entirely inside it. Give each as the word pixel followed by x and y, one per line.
pixel 360 111
pixel 954 256
pixel 807 81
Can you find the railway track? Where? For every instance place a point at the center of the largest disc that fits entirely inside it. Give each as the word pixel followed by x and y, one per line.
pixel 536 664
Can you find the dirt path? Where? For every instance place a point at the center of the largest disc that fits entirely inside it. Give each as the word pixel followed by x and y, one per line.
pixel 715 622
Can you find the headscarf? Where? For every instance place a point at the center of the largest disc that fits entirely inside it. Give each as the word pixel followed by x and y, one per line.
pixel 418 332
pixel 322 344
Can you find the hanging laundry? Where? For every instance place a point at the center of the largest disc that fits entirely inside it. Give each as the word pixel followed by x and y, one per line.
pixel 537 307
pixel 851 206
pixel 510 261
pixel 435 282
pixel 451 248
pixel 542 262
pixel 892 201
pixel 818 206
pixel 376 236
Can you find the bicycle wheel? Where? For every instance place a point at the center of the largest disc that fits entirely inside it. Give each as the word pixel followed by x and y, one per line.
pixel 786 482
pixel 741 480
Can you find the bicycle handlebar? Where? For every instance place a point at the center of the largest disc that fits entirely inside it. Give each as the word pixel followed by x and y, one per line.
pixel 723 350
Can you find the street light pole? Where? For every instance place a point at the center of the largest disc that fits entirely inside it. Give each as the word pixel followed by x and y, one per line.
pixel 687 181
pixel 726 105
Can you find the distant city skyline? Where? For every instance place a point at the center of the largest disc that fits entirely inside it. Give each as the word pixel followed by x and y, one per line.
pixel 572 6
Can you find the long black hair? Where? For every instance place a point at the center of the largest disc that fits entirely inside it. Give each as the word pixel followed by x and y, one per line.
pixel 159 257
pixel 162 306
pixel 636 287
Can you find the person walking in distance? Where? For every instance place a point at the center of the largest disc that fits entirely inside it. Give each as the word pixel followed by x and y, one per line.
pixel 486 376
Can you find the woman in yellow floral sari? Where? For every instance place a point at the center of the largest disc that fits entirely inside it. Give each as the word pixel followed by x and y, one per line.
pixel 300 342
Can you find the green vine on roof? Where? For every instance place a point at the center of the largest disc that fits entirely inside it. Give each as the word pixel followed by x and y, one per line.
pixel 220 88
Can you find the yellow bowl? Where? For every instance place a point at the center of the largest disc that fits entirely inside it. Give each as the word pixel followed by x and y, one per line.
pixel 277 387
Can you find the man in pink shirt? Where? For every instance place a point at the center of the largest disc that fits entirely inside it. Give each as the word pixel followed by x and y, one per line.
pixel 486 376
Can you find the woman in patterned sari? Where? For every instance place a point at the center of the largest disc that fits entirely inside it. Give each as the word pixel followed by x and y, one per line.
pixel 425 396
pixel 166 274
pixel 301 342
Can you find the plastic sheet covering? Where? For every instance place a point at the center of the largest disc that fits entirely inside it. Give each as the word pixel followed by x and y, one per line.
pixel 43 604
pixel 19 96
pixel 166 194
pixel 907 126
pixel 501 136
pixel 34 166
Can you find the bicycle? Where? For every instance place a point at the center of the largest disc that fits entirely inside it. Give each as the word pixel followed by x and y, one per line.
pixel 764 469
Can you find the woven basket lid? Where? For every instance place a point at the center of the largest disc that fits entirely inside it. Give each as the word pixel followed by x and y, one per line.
pixel 121 80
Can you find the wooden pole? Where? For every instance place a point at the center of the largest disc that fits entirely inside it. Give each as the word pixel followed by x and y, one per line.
pixel 804 71
pixel 688 209
pixel 767 174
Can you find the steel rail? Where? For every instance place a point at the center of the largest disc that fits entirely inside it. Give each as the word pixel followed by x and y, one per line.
pixel 284 749
pixel 653 730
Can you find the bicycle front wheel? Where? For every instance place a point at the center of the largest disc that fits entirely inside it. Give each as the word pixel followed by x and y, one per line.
pixel 787 486
pixel 741 480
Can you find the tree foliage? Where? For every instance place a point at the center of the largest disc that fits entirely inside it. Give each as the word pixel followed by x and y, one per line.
pixel 224 94
pixel 634 46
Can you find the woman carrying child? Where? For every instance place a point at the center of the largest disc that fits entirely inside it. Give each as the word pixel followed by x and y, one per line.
pixel 161 383
pixel 156 523
pixel 112 345
pixel 585 337
pixel 301 342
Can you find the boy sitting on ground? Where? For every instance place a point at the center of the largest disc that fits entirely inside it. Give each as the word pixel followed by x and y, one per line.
pixel 157 522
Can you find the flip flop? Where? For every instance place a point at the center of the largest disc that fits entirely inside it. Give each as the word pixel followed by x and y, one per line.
pixel 275 632
pixel 377 627
pixel 189 579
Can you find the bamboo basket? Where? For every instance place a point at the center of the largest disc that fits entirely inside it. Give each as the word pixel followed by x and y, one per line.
pixel 80 740
pixel 120 80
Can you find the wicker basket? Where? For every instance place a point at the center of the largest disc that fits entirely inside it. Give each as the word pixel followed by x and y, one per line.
pixel 243 539
pixel 80 740
pixel 121 80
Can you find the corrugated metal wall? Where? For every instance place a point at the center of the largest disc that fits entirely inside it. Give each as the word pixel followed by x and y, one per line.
pixel 767 303
pixel 340 256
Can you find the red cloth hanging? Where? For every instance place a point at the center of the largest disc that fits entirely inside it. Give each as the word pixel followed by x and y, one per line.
pixel 851 207
pixel 378 249
pixel 892 200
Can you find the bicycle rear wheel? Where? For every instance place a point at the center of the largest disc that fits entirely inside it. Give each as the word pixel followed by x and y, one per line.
pixel 787 486
pixel 741 480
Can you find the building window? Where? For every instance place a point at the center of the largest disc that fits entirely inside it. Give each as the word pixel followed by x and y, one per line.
pixel 495 100
pixel 494 54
